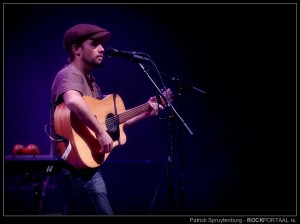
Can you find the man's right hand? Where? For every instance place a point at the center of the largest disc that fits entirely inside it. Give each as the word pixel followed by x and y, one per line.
pixel 106 142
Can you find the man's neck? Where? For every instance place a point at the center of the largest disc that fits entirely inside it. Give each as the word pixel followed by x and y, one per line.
pixel 82 66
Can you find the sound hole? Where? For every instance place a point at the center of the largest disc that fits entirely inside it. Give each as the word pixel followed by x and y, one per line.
pixel 112 125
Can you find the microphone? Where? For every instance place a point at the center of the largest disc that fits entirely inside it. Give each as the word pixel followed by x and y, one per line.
pixel 112 52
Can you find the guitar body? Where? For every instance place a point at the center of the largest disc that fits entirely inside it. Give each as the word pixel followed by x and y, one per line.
pixel 85 151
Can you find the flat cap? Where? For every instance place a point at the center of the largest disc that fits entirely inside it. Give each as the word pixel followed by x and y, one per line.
pixel 81 32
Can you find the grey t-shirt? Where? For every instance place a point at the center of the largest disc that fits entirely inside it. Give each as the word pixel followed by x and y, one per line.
pixel 70 78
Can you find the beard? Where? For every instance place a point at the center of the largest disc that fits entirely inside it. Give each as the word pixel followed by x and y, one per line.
pixel 93 62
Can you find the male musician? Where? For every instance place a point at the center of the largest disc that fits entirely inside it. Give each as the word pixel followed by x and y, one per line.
pixel 84 189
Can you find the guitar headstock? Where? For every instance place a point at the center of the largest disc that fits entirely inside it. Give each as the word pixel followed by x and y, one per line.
pixel 168 95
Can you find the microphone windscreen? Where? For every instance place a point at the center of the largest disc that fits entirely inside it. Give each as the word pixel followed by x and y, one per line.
pixel 111 51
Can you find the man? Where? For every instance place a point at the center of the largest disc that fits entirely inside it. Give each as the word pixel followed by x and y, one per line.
pixel 84 189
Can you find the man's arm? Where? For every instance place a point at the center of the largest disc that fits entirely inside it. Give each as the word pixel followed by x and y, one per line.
pixel 74 101
pixel 153 111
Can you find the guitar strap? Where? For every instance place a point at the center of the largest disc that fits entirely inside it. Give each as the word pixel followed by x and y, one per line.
pixel 58 138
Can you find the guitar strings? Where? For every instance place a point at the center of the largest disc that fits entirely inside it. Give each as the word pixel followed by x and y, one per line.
pixel 125 114
pixel 129 113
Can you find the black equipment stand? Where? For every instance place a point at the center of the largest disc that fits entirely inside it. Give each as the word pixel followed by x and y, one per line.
pixel 181 88
pixel 170 151
pixel 139 57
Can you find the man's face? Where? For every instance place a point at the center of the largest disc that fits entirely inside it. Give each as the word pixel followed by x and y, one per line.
pixel 92 53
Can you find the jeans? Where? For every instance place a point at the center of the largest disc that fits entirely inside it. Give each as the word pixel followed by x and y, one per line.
pixel 84 192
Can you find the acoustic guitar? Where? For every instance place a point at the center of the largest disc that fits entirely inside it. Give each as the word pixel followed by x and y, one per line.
pixel 81 148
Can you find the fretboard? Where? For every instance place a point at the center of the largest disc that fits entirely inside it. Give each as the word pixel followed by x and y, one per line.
pixel 128 114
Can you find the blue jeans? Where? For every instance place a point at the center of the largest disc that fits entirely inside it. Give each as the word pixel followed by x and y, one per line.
pixel 84 192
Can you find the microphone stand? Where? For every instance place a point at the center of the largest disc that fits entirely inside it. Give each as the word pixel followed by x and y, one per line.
pixel 170 156
pixel 165 99
pixel 170 164
pixel 181 88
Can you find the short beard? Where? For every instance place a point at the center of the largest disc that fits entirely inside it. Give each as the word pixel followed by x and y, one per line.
pixel 92 63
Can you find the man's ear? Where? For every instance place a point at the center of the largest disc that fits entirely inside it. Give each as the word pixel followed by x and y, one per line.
pixel 76 49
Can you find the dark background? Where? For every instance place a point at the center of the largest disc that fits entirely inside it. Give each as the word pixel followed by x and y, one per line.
pixel 241 158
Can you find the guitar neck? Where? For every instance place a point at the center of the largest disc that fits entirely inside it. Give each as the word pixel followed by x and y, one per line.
pixel 131 113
